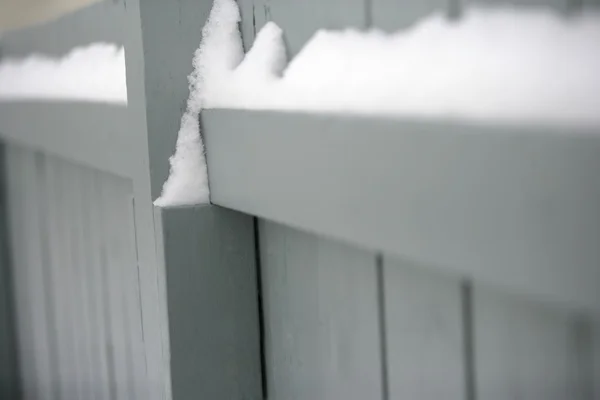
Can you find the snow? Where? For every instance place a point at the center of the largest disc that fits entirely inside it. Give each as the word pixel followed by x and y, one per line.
pixel 502 65
pixel 219 53
pixel 94 73
pixel 495 65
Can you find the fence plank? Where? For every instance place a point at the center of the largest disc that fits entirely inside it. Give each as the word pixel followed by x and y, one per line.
pixel 423 189
pixel 212 303
pixel 9 367
pixel 301 19
pixel 128 270
pixel 38 371
pixel 53 196
pixel 114 263
pixel 320 310
pixel 23 302
pixel 392 15
pixel 561 5
pixel 424 333
pixel 527 351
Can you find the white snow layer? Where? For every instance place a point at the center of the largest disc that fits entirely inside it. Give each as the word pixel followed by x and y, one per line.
pixel 94 73
pixel 219 53
pixel 503 65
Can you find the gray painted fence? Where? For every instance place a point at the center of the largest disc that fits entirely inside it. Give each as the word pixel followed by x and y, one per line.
pixel 346 284
pixel 87 246
pixel 413 259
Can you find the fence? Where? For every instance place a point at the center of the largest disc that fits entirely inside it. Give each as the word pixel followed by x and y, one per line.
pixel 328 279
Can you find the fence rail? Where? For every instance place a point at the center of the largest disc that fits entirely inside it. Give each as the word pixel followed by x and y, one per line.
pixel 510 206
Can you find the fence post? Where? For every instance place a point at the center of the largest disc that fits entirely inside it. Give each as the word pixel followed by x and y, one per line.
pixel 9 368
pixel 205 255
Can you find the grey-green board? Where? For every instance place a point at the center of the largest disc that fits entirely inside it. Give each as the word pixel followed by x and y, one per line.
pixel 171 32
pixel 31 273
pixel 9 368
pixel 212 303
pixel 515 207
pixel 425 338
pixel 301 19
pixel 528 351
pixel 77 302
pixel 561 5
pixel 320 303
pixel 393 15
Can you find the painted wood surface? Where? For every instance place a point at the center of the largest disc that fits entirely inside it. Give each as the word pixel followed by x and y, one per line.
pixel 78 308
pixel 321 317
pixel 512 207
pixel 336 351
pixel 560 5
pixel 529 351
pixel 9 377
pixel 209 257
pixel 395 15
pixel 96 135
pixel 424 331
pixel 301 19
pixel 38 345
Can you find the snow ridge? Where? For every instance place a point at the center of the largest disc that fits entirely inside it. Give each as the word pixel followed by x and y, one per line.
pixel 94 73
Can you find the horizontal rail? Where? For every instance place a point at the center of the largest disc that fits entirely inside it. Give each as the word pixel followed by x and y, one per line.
pixel 514 207
pixel 91 134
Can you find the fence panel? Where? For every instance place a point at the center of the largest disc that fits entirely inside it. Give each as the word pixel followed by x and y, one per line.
pixel 75 279
pixel 321 317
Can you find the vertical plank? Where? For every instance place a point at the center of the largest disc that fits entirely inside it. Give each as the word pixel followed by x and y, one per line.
pixel 32 278
pixel 53 198
pixel 561 5
pixel 46 273
pixel 526 351
pixel 23 302
pixel 424 333
pixel 69 293
pixel 393 15
pixel 86 266
pixel 248 23
pixel 9 375
pixel 321 317
pixel 75 180
pixel 93 285
pixel 123 209
pixel 171 33
pixel 301 19
pixel 212 303
pixel 112 259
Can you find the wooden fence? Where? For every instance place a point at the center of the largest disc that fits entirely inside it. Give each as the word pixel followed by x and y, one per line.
pixel 320 271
